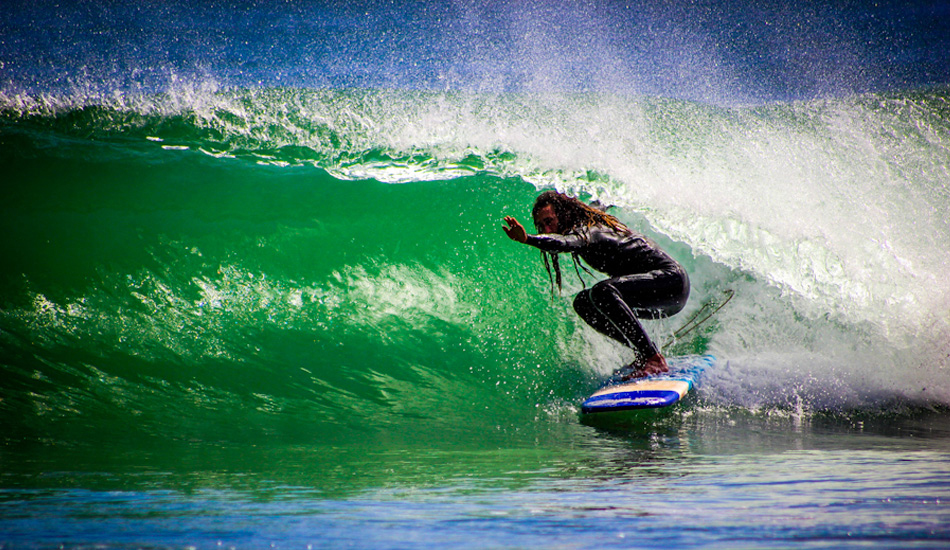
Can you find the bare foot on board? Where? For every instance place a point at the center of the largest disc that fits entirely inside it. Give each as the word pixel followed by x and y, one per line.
pixel 654 365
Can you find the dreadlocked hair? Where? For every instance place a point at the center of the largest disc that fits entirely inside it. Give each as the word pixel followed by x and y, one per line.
pixel 571 214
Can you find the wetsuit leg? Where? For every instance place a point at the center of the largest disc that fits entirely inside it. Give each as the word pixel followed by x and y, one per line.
pixel 613 306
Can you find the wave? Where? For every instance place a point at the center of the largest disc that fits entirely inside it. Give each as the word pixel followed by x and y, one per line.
pixel 285 255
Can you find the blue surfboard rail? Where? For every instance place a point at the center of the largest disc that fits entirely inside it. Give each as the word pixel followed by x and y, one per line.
pixel 630 400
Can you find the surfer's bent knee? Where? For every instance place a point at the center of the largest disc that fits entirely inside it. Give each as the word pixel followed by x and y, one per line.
pixel 582 302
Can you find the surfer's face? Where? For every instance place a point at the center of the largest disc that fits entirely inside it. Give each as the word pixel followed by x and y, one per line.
pixel 547 220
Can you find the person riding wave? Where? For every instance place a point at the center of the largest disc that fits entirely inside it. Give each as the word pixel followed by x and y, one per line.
pixel 644 281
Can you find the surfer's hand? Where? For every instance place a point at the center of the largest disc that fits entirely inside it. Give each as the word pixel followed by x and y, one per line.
pixel 515 230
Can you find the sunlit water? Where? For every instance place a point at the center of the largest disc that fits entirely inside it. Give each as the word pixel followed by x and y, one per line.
pixel 257 297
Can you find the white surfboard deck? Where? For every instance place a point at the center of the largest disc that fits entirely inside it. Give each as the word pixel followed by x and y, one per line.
pixel 651 392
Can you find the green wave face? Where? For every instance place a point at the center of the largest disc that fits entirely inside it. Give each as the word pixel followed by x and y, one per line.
pixel 311 266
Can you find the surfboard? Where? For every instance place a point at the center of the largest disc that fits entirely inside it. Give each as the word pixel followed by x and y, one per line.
pixel 653 392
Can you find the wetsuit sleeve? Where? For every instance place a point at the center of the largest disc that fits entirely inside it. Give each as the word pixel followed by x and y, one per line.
pixel 551 242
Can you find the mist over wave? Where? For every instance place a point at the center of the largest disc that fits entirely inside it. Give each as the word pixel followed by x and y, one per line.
pixel 713 52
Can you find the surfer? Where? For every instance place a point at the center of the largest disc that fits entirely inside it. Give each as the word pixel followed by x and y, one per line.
pixel 644 281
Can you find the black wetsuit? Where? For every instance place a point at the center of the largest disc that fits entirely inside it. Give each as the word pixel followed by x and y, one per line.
pixel 644 282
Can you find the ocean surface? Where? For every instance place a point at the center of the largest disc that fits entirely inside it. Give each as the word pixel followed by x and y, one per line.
pixel 254 291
